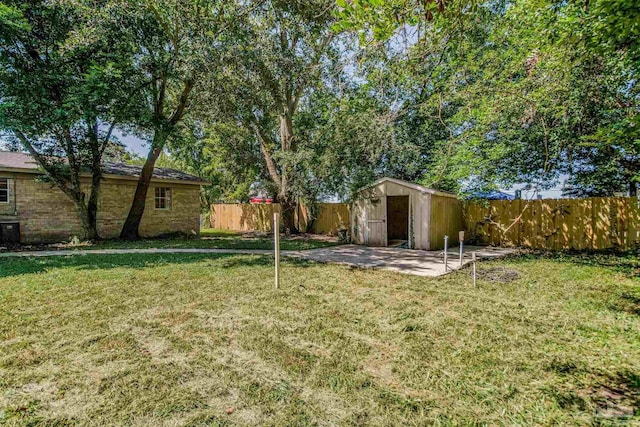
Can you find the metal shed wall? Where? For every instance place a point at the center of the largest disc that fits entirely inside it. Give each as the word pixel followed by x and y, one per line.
pixel 363 231
pixel 446 220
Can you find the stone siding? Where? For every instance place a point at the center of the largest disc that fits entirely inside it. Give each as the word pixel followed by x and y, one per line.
pixel 45 214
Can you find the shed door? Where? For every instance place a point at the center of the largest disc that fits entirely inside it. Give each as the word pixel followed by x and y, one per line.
pixel 376 221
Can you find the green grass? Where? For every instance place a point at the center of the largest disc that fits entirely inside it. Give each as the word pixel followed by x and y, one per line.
pixel 180 339
pixel 209 238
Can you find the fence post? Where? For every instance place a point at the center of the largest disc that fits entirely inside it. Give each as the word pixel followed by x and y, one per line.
pixel 446 247
pixel 276 246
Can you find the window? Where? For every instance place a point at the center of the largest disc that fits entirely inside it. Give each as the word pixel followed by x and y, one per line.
pixel 163 198
pixel 4 190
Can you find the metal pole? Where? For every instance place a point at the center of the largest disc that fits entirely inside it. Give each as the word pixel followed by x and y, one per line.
pixel 276 245
pixel 446 246
pixel 473 260
pixel 461 240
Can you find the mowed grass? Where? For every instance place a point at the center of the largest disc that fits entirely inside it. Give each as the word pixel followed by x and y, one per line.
pixel 195 340
pixel 208 239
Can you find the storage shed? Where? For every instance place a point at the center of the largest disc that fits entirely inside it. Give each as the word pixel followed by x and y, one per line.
pixel 392 212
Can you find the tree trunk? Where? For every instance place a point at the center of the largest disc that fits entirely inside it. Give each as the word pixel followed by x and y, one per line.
pixel 94 196
pixel 288 209
pixel 130 229
pixel 633 189
pixel 89 223
pixel 287 205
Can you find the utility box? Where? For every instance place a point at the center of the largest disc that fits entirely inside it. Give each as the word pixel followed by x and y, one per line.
pixel 10 232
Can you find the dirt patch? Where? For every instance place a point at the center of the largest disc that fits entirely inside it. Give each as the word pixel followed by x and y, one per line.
pixel 497 274
pixel 613 402
pixel 156 347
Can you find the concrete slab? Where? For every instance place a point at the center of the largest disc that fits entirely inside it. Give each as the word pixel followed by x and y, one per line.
pixel 409 261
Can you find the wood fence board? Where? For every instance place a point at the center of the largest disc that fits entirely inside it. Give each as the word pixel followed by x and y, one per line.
pixel 527 223
pixel 601 224
pixel 594 223
pixel 511 235
pixel 581 213
pixel 633 226
pixel 259 217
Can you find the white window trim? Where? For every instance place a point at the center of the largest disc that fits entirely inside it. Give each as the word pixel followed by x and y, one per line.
pixel 168 200
pixel 8 191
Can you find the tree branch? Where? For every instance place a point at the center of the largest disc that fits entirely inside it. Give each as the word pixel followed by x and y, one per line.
pixel 46 167
pixel 271 166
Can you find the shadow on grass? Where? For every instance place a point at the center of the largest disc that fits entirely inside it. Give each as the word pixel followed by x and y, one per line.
pixel 32 265
pixel 611 395
pixel 621 262
pixel 627 263
pixel 262 261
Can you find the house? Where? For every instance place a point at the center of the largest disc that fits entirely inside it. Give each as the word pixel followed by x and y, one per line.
pixel 33 211
pixel 392 212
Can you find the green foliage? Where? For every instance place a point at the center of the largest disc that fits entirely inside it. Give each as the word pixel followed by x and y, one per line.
pixel 281 57
pixel 377 20
pixel 65 82
pixel 519 91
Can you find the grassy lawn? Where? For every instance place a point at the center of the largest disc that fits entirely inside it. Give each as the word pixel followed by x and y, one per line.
pixel 209 238
pixel 195 340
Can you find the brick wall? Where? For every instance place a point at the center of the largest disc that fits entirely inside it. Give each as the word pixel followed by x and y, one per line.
pixel 45 214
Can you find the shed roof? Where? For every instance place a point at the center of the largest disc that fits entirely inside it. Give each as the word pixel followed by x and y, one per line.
pixel 412 185
pixel 22 162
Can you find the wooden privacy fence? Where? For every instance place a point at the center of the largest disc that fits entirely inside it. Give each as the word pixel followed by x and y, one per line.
pixel 594 223
pixel 329 218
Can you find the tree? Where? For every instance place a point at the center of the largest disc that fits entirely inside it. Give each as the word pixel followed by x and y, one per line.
pixel 547 103
pixel 217 153
pixel 178 44
pixel 63 91
pixel 280 59
pixel 526 91
pixel 377 20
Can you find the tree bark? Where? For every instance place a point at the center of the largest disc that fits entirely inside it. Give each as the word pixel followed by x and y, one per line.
pixel 132 223
pixel 287 205
pixel 633 189
pixel 94 196
pixel 87 221
pixel 161 134
pixel 288 209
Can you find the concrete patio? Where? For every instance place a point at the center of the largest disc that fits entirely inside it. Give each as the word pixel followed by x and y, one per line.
pixel 408 261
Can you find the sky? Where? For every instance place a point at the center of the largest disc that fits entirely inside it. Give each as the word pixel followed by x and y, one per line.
pixel 133 143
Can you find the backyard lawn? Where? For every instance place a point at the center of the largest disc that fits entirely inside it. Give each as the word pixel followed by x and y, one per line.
pixel 202 340
pixel 208 238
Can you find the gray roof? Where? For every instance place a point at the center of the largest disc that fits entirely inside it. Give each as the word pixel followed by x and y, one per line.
pixel 16 160
pixel 10 160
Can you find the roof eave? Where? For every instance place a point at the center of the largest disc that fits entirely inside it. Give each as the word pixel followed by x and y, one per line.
pixel 110 176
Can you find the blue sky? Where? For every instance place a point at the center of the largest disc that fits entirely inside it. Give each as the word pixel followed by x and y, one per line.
pixel 133 143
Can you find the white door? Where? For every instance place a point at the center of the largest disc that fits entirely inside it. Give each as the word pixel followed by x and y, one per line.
pixel 376 214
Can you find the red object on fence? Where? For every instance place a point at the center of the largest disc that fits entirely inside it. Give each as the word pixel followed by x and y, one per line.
pixel 266 200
